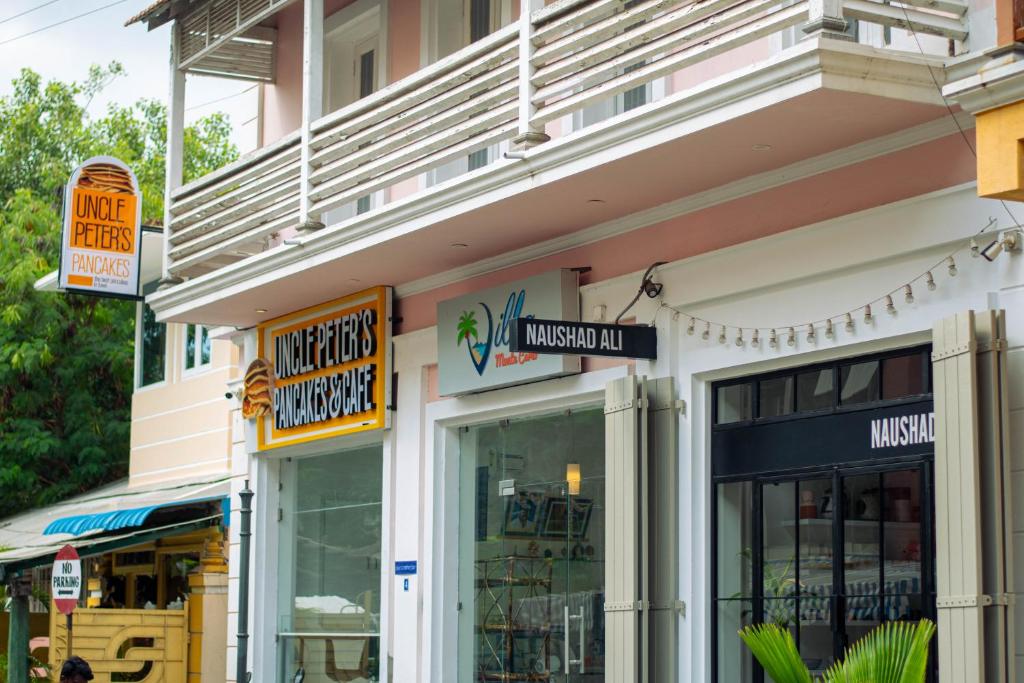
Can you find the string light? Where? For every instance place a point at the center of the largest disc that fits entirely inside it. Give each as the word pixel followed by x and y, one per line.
pixel 828 323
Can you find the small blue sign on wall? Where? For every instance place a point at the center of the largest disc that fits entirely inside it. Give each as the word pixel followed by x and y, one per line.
pixel 406 568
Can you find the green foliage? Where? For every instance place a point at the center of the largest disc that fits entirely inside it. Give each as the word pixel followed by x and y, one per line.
pixel 66 361
pixel 895 652
pixel 774 648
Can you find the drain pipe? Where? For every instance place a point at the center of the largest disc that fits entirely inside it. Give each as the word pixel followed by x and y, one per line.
pixel 242 674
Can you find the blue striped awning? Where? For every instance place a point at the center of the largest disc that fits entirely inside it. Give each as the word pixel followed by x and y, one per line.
pixel 109 521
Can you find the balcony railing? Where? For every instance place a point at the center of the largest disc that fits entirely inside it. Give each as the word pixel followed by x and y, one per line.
pixel 576 53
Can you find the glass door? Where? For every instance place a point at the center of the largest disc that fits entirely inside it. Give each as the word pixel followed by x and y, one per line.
pixel 828 557
pixel 531 549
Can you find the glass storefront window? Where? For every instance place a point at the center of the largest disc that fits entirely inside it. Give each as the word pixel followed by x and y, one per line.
pixel 532 549
pixel 859 383
pixel 814 390
pixel 330 573
pixel 776 397
pixel 154 348
pixel 903 376
pixel 735 403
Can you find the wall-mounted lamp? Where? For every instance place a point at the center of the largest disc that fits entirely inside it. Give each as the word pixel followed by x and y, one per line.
pixel 572 477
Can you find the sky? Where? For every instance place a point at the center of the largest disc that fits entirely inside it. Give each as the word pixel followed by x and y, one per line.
pixel 65 53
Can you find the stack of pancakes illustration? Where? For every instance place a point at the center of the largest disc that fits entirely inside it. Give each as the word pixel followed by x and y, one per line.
pixel 106 178
pixel 256 389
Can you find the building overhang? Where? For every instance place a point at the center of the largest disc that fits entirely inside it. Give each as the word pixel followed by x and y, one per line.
pixel 995 95
pixel 816 98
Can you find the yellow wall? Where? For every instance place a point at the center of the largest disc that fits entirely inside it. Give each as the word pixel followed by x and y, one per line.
pixel 1000 161
pixel 181 427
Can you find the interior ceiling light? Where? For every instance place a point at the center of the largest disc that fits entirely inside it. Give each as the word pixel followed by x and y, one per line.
pixel 761 147
pixel 595 201
pixel 261 310
pixel 459 245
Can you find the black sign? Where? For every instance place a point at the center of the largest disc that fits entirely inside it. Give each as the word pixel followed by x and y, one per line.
pixel 844 437
pixel 584 339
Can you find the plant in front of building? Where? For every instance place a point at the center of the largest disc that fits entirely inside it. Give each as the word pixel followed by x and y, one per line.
pixel 895 652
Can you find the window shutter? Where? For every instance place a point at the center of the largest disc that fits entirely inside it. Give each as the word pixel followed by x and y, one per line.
pixel 662 622
pixel 625 412
pixel 996 497
pixel 959 596
pixel 641 571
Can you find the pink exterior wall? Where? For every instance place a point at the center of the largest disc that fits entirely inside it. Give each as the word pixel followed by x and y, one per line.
pixel 879 181
pixel 282 100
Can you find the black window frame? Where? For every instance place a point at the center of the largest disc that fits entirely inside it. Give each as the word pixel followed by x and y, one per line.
pixel 922 460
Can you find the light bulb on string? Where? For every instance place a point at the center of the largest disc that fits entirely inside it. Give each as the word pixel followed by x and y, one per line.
pixel 829 332
pixel 792 338
pixel 773 339
pixel 755 340
pixel 890 307
pixel 868 318
pixel 952 266
pixel 739 337
pixel 908 294
pixel 706 334
pixel 849 323
pixel 721 335
pixel 930 281
pixel 690 326
pixel 810 334
pixel 974 248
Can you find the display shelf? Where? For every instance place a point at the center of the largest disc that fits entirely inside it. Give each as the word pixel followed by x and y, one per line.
pixel 825 523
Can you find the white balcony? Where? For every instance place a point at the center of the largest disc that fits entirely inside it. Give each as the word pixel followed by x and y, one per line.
pixel 821 74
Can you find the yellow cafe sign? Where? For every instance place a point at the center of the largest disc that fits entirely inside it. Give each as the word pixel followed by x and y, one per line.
pixel 323 371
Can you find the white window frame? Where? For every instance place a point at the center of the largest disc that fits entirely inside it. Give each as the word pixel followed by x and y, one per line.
pixel 137 380
pixel 441 501
pixel 198 366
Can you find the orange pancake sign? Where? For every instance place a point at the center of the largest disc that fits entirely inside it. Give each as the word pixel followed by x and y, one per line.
pixel 322 372
pixel 100 243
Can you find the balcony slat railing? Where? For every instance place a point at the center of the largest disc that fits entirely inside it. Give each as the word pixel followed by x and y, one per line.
pixel 580 53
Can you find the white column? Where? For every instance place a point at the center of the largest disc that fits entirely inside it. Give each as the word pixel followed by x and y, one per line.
pixel 312 101
pixel 529 135
pixel 175 146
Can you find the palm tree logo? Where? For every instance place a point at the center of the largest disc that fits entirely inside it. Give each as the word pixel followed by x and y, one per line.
pixel 466 329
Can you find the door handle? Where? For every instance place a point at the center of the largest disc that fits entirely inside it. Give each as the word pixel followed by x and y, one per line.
pixel 568 619
pixel 583 633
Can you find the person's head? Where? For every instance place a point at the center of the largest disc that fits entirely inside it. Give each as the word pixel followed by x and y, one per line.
pixel 75 670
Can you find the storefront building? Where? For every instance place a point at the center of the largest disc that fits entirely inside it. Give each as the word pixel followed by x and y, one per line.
pixel 822 436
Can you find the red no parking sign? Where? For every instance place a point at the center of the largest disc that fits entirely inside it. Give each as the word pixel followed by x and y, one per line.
pixel 66 582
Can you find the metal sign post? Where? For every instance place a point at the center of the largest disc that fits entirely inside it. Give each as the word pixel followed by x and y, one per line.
pixel 66 585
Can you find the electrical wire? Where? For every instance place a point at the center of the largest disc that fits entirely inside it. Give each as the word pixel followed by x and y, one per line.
pixel 221 99
pixel 62 22
pixel 28 11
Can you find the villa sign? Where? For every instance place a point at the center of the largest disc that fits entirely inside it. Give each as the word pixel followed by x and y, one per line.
pixel 474 332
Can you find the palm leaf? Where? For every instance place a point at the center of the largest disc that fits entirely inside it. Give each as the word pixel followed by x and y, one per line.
pixel 896 652
pixel 775 650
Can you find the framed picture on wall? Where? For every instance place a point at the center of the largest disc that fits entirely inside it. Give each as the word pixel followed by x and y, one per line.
pixel 522 514
pixel 556 522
